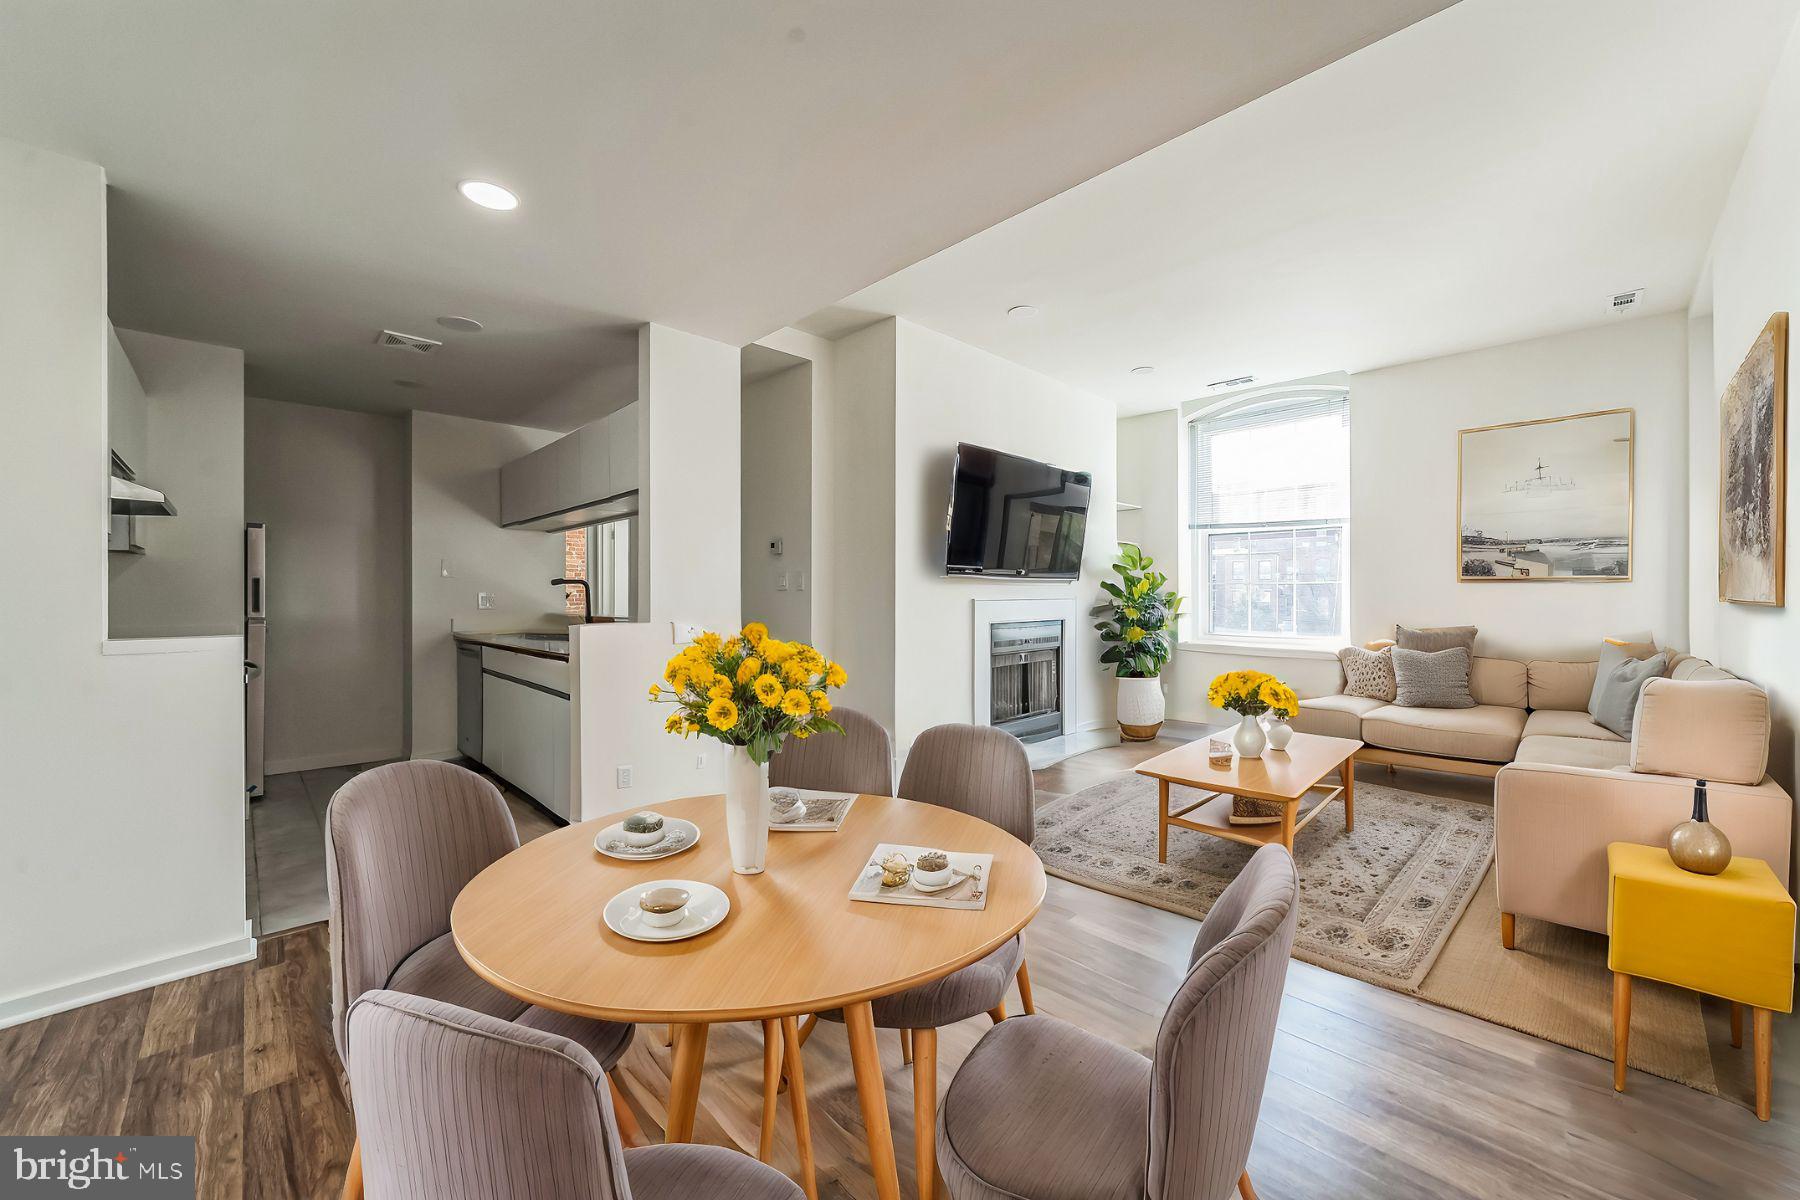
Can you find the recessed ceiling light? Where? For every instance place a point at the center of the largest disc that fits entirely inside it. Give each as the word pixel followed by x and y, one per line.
pixel 460 324
pixel 1021 310
pixel 408 383
pixel 1142 370
pixel 488 195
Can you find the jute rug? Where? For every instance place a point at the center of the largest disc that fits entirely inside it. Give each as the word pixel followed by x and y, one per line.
pixel 1377 906
pixel 1408 903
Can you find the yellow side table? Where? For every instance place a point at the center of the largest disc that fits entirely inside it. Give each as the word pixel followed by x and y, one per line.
pixel 1729 935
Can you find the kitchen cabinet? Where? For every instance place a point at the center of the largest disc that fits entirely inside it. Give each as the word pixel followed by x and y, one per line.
pixel 586 476
pixel 525 730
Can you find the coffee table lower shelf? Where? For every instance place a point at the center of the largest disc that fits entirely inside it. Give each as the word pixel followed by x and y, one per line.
pixel 1212 815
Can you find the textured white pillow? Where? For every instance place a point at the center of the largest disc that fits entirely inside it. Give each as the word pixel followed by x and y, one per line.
pixel 1367 673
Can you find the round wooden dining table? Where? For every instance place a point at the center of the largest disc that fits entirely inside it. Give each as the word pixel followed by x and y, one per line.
pixel 794 943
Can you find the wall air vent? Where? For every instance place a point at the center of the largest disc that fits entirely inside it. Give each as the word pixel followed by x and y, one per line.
pixel 1221 384
pixel 406 341
pixel 1626 301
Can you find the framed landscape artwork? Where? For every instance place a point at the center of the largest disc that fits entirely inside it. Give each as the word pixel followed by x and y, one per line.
pixel 1546 501
pixel 1753 472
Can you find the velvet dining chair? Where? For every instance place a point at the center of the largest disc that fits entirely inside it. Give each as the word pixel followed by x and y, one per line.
pixel 984 772
pixel 459 1105
pixel 401 841
pixel 1107 1123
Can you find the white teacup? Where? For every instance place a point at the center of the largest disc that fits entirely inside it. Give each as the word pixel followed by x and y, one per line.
pixel 663 907
pixel 929 879
pixel 643 837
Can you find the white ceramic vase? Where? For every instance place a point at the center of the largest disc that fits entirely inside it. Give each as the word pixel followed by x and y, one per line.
pixel 1249 740
pixel 746 811
pixel 1278 731
pixel 1140 708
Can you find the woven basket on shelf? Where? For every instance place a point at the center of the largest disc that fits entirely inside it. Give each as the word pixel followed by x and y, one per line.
pixel 1245 811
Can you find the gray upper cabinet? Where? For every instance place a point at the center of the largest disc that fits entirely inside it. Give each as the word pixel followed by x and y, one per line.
pixel 585 476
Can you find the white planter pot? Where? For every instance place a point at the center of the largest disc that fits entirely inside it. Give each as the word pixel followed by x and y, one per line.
pixel 1248 740
pixel 1140 708
pixel 746 811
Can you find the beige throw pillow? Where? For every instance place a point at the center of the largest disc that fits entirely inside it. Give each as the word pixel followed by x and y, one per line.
pixel 1441 637
pixel 1367 673
pixel 1434 679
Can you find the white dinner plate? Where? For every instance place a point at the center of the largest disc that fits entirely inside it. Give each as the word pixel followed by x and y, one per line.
pixel 707 906
pixel 678 835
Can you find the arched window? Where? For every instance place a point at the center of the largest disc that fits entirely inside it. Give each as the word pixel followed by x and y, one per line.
pixel 1269 492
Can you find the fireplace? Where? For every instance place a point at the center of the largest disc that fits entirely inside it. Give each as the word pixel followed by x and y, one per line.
pixel 1025 693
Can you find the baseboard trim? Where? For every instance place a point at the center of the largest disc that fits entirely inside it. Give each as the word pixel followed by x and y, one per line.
pixel 337 758
pixel 450 755
pixel 63 997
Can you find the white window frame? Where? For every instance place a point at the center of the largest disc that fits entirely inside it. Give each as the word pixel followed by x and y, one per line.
pixel 1194 634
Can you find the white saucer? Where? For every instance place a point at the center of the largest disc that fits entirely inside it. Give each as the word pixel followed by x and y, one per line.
pixel 707 906
pixel 956 877
pixel 678 835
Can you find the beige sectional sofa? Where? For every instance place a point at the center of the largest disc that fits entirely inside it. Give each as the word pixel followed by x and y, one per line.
pixel 1564 787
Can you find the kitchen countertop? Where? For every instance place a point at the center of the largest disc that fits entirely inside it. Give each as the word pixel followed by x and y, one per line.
pixel 538 645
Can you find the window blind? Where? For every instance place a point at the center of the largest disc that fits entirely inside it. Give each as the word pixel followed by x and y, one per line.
pixel 1282 460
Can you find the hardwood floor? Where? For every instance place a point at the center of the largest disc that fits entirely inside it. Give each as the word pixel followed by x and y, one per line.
pixel 1370 1093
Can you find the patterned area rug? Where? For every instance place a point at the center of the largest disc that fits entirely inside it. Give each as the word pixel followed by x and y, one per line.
pixel 1377 904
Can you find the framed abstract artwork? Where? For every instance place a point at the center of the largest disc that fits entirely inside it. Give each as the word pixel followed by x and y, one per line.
pixel 1753 472
pixel 1546 501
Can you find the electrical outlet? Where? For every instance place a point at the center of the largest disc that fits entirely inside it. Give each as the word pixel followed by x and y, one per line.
pixel 484 600
pixel 775 547
pixel 622 777
pixel 799 581
pixel 699 762
pixel 781 581
pixel 684 631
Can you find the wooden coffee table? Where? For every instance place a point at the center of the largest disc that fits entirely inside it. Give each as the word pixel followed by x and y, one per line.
pixel 1291 778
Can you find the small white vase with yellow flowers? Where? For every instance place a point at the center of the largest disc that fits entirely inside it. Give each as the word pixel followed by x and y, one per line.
pixel 1250 694
pixel 749 691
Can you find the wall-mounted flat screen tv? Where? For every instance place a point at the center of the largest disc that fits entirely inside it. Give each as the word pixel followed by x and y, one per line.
pixel 1015 517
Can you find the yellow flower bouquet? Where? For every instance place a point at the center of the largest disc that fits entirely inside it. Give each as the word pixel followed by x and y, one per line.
pixel 1252 693
pixel 749 690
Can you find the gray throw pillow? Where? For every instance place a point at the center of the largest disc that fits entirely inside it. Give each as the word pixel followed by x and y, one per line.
pixel 1611 655
pixel 1619 688
pixel 1440 638
pixel 1432 679
pixel 1367 673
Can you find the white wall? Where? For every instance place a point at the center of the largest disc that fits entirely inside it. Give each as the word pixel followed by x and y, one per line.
pixel 688 458
pixel 828 478
pixel 190 580
pixel 124 802
pixel 949 392
pixel 455 528
pixel 1404 422
pixel 1755 271
pixel 777 501
pixel 332 488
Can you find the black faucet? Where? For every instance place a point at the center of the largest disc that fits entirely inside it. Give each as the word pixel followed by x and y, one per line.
pixel 587 597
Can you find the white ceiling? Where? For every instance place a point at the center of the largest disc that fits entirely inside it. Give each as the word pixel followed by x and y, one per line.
pixel 284 174
pixel 1492 173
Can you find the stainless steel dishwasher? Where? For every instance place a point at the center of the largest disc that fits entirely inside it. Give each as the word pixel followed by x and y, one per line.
pixel 468 700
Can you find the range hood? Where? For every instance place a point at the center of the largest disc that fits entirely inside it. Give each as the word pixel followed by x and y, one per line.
pixel 132 499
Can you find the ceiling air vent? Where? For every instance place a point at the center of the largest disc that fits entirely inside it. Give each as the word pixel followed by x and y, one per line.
pixel 1626 301
pixel 1221 384
pixel 406 341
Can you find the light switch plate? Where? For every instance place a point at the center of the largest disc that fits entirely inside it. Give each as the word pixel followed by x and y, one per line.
pixel 622 777
pixel 684 631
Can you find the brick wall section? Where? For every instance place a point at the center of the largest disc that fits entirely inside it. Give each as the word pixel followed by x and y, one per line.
pixel 574 567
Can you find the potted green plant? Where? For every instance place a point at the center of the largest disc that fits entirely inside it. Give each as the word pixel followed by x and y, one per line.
pixel 1139 637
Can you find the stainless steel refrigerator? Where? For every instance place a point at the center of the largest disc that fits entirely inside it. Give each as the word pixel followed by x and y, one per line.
pixel 256 645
